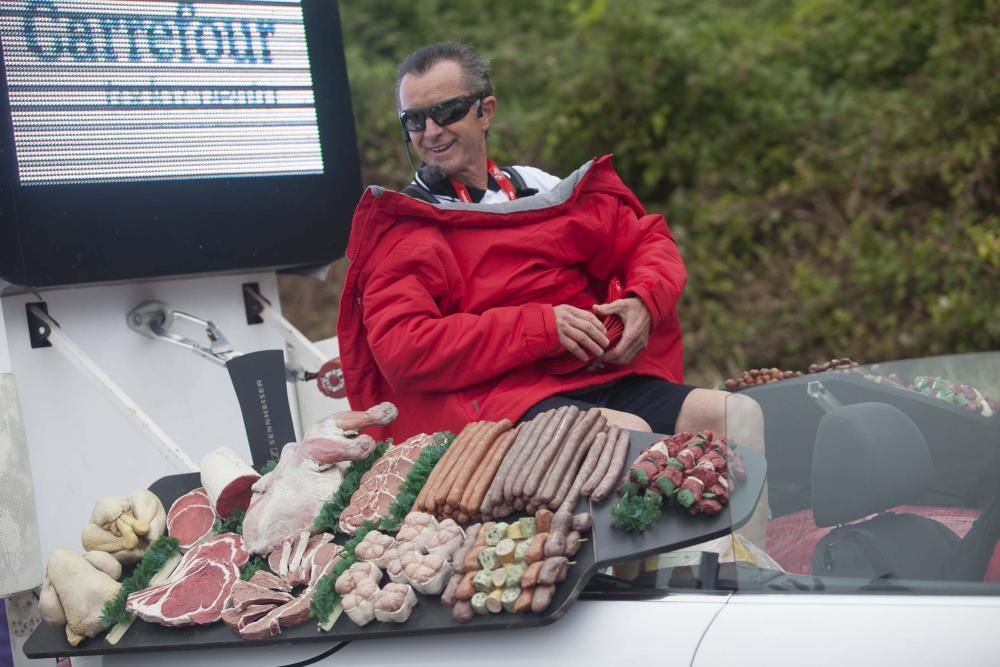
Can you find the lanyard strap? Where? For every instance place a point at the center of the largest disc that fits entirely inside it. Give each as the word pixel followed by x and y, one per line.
pixel 498 176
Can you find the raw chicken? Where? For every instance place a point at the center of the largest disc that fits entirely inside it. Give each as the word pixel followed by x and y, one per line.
pixel 287 500
pixel 74 594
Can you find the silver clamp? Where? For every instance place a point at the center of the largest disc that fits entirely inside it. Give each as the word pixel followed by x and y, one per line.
pixel 155 319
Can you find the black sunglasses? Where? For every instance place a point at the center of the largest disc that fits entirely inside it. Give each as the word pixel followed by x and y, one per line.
pixel 443 113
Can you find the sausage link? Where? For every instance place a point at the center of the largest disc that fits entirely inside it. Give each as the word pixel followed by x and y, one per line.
pixel 454 464
pixel 614 470
pixel 489 470
pixel 476 451
pixel 528 451
pixel 568 493
pixel 548 453
pixel 603 461
pixel 566 463
pixel 495 492
pixel 444 465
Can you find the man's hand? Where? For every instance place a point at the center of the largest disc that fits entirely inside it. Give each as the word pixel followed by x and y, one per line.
pixel 580 332
pixel 635 316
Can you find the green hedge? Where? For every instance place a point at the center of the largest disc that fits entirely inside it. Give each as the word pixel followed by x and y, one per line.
pixel 829 167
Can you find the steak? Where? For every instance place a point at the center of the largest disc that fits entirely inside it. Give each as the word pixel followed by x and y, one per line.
pixel 200 587
pixel 191 518
pixel 379 486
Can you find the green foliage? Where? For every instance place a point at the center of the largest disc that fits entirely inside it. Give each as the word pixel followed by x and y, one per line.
pixel 829 167
pixel 328 519
pixel 158 553
pixel 231 523
pixel 635 513
pixel 252 566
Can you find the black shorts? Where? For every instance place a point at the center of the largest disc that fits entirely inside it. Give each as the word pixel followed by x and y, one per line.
pixel 657 401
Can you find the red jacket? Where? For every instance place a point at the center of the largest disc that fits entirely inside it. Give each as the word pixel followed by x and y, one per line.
pixel 447 308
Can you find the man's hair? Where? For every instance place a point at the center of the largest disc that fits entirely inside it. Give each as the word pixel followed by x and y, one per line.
pixel 475 68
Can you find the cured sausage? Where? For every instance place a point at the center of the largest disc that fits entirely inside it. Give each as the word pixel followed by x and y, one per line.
pixel 614 470
pixel 603 461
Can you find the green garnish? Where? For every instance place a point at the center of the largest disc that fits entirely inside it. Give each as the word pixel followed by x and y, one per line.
pixel 156 556
pixel 328 518
pixel 636 513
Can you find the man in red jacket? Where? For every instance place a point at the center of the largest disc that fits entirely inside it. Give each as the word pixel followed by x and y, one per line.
pixel 457 311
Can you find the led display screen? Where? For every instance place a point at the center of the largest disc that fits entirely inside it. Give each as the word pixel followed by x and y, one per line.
pixel 163 137
pixel 158 89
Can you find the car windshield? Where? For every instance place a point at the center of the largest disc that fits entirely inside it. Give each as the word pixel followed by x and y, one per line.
pixel 880 479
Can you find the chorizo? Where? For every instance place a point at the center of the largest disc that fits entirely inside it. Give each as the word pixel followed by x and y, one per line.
pixel 420 504
pixel 447 464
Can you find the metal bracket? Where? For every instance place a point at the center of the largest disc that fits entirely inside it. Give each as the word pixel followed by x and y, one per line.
pixel 822 395
pixel 155 319
pixel 253 305
pixel 38 329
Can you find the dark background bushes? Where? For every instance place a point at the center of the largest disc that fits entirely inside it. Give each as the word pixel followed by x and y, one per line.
pixel 829 167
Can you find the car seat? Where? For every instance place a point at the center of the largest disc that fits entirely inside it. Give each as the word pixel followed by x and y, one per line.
pixel 870 457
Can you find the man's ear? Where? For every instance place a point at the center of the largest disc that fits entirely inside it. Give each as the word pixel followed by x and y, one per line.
pixel 488 109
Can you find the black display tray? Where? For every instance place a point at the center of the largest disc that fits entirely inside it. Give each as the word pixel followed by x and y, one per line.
pixel 607 545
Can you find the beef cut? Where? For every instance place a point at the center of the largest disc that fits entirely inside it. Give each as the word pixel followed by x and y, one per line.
pixel 198 590
pixel 191 518
pixel 379 486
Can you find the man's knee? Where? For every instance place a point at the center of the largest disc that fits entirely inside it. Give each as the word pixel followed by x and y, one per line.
pixel 626 420
pixel 703 410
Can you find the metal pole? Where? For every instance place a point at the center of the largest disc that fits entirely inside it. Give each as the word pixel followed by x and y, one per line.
pixel 174 454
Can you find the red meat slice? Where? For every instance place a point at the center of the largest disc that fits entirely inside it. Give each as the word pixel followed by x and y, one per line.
pixel 191 518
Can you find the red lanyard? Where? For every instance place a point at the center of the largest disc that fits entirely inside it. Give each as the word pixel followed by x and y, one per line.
pixel 498 176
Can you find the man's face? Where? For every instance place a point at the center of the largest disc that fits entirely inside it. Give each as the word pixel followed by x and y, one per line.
pixel 459 148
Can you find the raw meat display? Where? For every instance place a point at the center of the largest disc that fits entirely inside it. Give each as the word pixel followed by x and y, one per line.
pixel 266 604
pixel 191 518
pixel 198 589
pixel 287 500
pixel 227 480
pixel 380 484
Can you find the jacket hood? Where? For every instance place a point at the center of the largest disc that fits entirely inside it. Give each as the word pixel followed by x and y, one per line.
pixel 381 208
